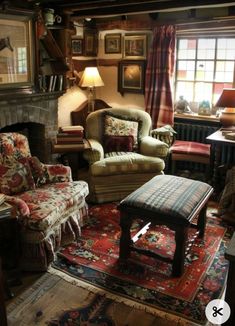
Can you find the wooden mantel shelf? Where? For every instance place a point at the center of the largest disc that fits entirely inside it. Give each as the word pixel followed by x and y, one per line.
pixel 24 97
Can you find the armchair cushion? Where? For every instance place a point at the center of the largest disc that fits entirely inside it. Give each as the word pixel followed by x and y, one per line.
pixel 127 164
pixel 15 177
pixel 115 125
pixel 56 200
pixel 118 143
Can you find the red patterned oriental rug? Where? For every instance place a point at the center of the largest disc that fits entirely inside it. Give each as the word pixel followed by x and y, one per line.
pixel 94 259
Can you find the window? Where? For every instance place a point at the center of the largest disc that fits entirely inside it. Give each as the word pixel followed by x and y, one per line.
pixel 204 66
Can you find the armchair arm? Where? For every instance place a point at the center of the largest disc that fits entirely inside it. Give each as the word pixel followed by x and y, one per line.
pixel 56 173
pixel 95 153
pixel 19 205
pixel 150 146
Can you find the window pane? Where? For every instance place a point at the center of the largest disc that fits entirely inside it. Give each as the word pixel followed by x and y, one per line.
pixel 206 48
pixel 205 70
pixel 185 70
pixel 187 49
pixel 203 91
pixel 224 71
pixel 184 89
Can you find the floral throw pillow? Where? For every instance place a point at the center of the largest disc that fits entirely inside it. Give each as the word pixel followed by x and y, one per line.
pixel 15 177
pixel 115 126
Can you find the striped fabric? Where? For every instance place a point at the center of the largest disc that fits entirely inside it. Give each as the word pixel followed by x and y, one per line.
pixel 168 195
pixel 159 72
pixel 128 164
pixel 189 147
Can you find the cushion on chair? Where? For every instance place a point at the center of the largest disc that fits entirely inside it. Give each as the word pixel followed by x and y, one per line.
pixel 188 147
pixel 14 144
pixel 49 204
pixel 175 197
pixel 15 177
pixel 118 143
pixel 121 126
pixel 127 164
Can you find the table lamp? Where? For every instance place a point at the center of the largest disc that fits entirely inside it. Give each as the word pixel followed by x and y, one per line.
pixel 91 79
pixel 227 101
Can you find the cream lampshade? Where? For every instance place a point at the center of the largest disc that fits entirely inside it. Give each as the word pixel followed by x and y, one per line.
pixel 91 79
pixel 227 101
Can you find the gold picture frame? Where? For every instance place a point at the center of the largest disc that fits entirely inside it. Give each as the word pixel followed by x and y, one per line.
pixel 77 46
pixel 135 46
pixel 16 53
pixel 112 43
pixel 131 76
pixel 90 43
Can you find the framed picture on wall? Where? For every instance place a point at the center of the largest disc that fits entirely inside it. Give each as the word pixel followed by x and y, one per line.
pixel 90 43
pixel 131 76
pixel 16 53
pixel 77 46
pixel 135 46
pixel 112 43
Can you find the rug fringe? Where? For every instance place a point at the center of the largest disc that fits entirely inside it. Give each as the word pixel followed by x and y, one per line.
pixel 179 321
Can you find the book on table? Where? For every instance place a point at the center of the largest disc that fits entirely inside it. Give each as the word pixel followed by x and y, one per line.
pixel 73 130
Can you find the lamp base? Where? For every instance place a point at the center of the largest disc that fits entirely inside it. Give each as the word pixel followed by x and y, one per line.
pixel 227 117
pixel 91 99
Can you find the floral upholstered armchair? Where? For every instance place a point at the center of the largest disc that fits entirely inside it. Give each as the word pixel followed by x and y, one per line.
pixel 49 205
pixel 123 155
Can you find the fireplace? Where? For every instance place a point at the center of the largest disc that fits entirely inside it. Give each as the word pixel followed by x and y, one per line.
pixel 34 115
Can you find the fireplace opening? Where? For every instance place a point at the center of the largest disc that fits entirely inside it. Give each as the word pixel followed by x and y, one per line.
pixel 35 132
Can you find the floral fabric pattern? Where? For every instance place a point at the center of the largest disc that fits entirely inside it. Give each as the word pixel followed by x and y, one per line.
pixel 15 178
pixel 120 127
pixel 49 203
pixel 14 144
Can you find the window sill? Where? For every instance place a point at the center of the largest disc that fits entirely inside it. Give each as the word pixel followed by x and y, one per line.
pixel 196 116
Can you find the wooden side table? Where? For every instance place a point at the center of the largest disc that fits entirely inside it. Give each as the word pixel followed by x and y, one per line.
pixel 70 154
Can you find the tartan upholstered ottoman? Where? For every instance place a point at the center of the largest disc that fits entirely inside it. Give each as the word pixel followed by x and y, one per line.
pixel 167 200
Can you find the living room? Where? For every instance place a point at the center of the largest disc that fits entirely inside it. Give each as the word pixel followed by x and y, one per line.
pixel 48 93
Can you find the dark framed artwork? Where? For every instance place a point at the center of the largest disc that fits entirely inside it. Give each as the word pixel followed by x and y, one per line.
pixel 16 52
pixel 135 46
pixel 112 43
pixel 90 43
pixel 77 46
pixel 131 76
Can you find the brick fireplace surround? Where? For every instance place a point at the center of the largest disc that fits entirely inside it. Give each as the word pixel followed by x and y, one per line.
pixel 35 115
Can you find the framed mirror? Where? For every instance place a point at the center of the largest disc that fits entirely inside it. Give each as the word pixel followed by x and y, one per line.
pixel 16 53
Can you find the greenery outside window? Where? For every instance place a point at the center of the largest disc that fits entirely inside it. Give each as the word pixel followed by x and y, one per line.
pixel 204 66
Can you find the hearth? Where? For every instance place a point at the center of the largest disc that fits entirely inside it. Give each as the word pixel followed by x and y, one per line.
pixel 34 115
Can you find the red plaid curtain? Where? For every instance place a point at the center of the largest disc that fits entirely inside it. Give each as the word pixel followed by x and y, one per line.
pixel 159 72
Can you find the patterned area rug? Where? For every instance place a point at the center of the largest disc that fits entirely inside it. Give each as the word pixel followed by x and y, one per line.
pixel 146 280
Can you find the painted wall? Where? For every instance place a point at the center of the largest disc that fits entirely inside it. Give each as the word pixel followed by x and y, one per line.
pixel 74 96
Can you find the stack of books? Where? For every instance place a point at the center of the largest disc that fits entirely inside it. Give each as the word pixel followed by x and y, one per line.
pixel 5 208
pixel 69 138
pixel 70 135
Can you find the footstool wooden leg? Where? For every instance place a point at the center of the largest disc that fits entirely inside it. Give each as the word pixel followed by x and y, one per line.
pixel 125 239
pixel 179 256
pixel 201 222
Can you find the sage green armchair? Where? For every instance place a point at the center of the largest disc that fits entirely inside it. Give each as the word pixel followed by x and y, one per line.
pixel 123 155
